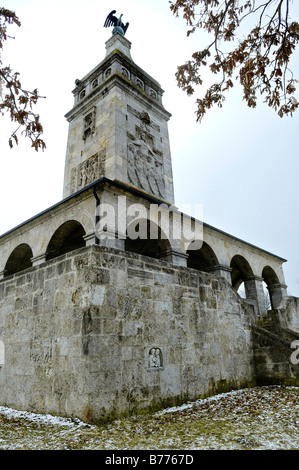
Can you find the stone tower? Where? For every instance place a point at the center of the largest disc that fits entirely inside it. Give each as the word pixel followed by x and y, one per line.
pixel 96 323
pixel 118 127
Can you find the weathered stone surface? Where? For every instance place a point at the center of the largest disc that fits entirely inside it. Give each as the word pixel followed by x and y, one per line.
pixel 98 327
pixel 83 341
pixel 118 127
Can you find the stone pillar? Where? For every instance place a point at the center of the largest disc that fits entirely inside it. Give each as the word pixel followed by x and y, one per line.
pixel 277 293
pixel 255 291
pixel 37 260
pixel 2 274
pixel 177 258
pixel 111 239
pixel 89 239
pixel 121 43
pixel 223 271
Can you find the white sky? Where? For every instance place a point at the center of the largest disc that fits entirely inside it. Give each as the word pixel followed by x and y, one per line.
pixel 241 164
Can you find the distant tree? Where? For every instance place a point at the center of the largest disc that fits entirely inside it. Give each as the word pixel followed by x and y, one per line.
pixel 14 99
pixel 264 37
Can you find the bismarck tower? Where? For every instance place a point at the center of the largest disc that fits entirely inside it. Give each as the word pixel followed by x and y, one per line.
pixel 97 322
pixel 118 127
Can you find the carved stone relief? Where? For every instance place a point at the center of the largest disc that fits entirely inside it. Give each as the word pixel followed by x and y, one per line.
pixel 155 359
pixel 88 171
pixel 145 163
pixel 153 94
pixel 89 124
pixel 95 83
pixel 125 73
pixel 141 116
pixel 139 84
pixel 108 72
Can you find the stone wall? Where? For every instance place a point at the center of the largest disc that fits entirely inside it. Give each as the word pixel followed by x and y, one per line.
pixel 276 355
pixel 276 345
pixel 289 313
pixel 99 333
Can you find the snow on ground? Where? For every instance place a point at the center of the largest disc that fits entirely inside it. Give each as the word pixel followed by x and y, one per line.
pixel 10 413
pixel 261 418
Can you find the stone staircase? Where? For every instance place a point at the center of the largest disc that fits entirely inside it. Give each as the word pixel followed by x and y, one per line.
pixel 275 348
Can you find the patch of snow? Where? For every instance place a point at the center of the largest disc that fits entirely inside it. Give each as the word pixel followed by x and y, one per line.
pixel 202 401
pixel 40 418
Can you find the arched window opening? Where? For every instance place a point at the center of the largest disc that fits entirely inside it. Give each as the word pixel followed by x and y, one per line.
pixel 268 301
pixel 203 259
pixel 68 237
pixel 241 290
pixel 269 276
pixel 240 274
pixel 242 293
pixel 271 285
pixel 146 238
pixel 19 259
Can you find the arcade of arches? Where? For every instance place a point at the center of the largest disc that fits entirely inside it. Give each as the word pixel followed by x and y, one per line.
pixel 265 290
pixel 70 236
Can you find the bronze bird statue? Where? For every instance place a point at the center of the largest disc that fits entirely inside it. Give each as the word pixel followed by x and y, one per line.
pixel 119 26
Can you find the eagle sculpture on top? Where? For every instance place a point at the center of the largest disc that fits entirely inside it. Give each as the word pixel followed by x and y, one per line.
pixel 112 20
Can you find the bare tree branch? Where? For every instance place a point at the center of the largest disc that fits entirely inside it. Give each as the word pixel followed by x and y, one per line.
pixel 260 60
pixel 15 100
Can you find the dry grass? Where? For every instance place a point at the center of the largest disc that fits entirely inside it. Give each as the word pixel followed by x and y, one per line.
pixel 261 418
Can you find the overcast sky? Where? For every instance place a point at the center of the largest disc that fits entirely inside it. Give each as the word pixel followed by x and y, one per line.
pixel 240 163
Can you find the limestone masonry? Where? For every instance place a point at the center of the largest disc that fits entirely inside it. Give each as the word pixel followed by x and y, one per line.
pixel 114 302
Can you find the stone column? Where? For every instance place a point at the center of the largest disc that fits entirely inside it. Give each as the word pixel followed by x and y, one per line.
pixel 255 291
pixel 2 274
pixel 277 293
pixel 89 239
pixel 39 259
pixel 177 258
pixel 111 239
pixel 223 271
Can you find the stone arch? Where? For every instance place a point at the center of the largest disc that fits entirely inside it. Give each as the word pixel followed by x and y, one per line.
pixel 68 237
pixel 146 238
pixel 269 276
pixel 241 271
pixel 272 285
pixel 19 259
pixel 203 259
pixel 243 277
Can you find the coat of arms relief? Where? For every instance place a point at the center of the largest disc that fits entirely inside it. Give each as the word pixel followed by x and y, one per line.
pixel 145 162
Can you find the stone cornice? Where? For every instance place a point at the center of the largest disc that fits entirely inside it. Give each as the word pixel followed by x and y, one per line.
pixel 115 79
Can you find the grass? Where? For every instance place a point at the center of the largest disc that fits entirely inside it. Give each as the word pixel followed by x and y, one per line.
pixel 261 418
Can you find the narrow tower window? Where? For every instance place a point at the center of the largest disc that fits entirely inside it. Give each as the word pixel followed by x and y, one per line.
pixel 89 124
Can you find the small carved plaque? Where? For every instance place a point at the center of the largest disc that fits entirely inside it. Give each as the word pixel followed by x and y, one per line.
pixel 155 359
pixel 139 84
